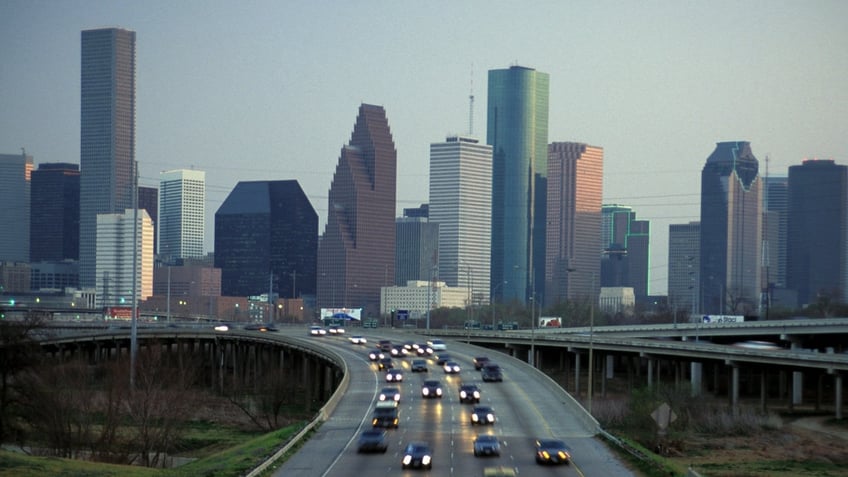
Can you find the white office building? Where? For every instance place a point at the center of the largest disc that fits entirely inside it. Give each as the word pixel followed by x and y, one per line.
pixel 417 294
pixel 114 262
pixel 461 203
pixel 182 195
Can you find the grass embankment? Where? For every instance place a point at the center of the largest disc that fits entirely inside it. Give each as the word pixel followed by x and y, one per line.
pixel 220 452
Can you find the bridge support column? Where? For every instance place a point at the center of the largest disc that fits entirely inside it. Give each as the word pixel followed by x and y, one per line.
pixel 837 391
pixel 650 372
pixel 763 390
pixel 797 382
pixel 696 372
pixel 734 388
pixel 577 373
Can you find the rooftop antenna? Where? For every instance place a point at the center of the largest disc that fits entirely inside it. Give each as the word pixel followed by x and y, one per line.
pixel 471 104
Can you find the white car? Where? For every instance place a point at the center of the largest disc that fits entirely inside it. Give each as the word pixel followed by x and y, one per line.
pixel 317 331
pixel 336 330
pixel 437 345
pixel 358 339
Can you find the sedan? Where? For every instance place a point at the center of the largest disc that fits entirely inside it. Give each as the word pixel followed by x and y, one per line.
pixel 358 339
pixel 376 355
pixel 552 451
pixel 317 331
pixel 482 415
pixel 469 393
pixel 373 440
pixel 452 367
pixel 424 350
pixel 390 394
pixel 394 376
pixel 480 361
pixel 486 444
pixel 398 351
pixel 443 358
pixel 431 389
pixel 385 363
pixel 417 455
pixel 419 366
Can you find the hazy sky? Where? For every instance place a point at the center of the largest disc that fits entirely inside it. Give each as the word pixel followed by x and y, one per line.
pixel 256 90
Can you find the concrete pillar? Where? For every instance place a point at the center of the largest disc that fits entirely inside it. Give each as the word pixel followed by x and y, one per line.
pixel 837 388
pixel 763 390
pixel 577 373
pixel 696 371
pixel 734 386
pixel 650 372
pixel 797 387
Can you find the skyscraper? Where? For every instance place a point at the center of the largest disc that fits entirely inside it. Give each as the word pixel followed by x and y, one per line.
pixel 626 250
pixel 114 263
pixel 148 199
pixel 416 249
pixel 817 249
pixel 182 199
pixel 266 239
pixel 575 192
pixel 54 224
pixel 775 228
pixel 461 203
pixel 517 130
pixel 684 243
pixel 107 135
pixel 731 230
pixel 15 176
pixel 356 253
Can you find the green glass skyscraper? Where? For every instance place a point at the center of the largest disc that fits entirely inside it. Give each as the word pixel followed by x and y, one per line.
pixel 518 133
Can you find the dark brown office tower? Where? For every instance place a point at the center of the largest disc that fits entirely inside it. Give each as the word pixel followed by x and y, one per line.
pixel 573 253
pixel 356 254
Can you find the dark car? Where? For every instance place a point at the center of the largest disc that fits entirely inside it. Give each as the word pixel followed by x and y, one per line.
pixel 482 415
pixel 389 394
pixel 431 389
pixel 394 376
pixel 386 414
pixel 491 372
pixel 552 451
pixel 419 366
pixel 398 351
pixel 424 350
pixel 373 440
pixel 260 327
pixel 417 455
pixel 443 358
pixel 384 345
pixel 469 393
pixel 385 363
pixel 376 355
pixel 486 444
pixel 452 367
pixel 480 361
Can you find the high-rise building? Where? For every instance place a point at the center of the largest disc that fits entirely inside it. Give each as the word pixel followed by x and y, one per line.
pixel 731 230
pixel 54 219
pixel 148 199
pixel 15 176
pixel 266 240
pixel 417 247
pixel 775 229
pixel 182 197
pixel 684 243
pixel 114 263
pixel 626 250
pixel 517 130
pixel 575 192
pixel 107 135
pixel 461 203
pixel 356 253
pixel 817 249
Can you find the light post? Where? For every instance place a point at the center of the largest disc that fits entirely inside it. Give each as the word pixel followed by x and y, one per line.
pixel 591 339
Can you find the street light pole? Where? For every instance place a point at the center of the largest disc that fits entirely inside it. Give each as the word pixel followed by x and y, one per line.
pixel 591 343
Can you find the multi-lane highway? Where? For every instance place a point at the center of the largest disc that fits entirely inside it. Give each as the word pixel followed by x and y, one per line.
pixel 527 406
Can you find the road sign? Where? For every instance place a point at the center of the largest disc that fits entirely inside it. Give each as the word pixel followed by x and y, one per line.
pixel 403 314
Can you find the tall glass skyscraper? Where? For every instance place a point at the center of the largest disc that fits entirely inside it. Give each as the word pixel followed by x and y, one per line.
pixel 15 177
pixel 517 130
pixel 182 199
pixel 731 230
pixel 107 135
pixel 356 253
pixel 54 221
pixel 461 203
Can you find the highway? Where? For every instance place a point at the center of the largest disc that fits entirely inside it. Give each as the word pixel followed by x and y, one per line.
pixel 527 406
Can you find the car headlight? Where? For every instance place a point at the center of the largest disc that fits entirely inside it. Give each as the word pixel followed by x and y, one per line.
pixel 438 392
pixel 425 460
pixel 407 459
pixel 474 418
pixel 463 394
pixel 397 397
pixel 545 455
pixel 374 422
pixel 476 395
pixel 425 391
pixel 490 417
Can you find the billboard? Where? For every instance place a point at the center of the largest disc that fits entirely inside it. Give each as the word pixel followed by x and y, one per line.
pixel 344 314
pixel 723 318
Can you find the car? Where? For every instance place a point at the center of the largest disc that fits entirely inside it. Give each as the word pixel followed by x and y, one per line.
pixel 431 388
pixel 385 363
pixel 469 393
pixel 316 330
pixel 491 372
pixel 386 414
pixel 399 351
pixel 487 445
pixel 376 355
pixel 385 345
pixel 260 327
pixel 419 366
pixel 552 451
pixel 358 339
pixel 482 415
pixel 373 440
pixel 389 394
pixel 437 345
pixel 417 455
pixel 499 471
pixel 221 328
pixel 424 350
pixel 452 367
pixel 409 345
pixel 443 358
pixel 480 361
pixel 336 330
pixel 394 376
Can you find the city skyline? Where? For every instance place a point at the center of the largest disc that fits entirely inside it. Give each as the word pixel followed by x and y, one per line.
pixel 656 86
